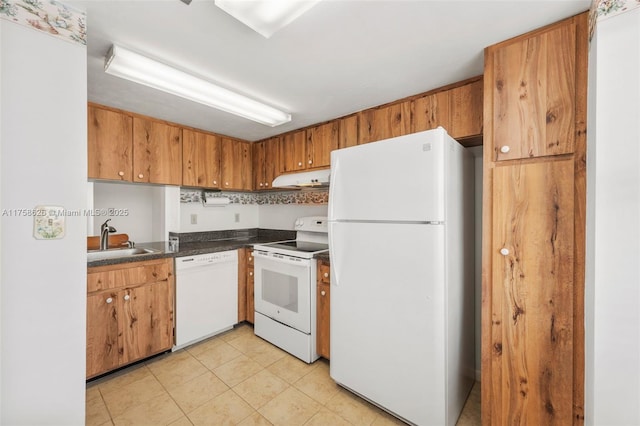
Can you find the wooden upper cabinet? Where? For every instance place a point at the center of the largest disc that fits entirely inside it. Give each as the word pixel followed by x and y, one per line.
pixel 293 156
pixel 109 144
pixel 465 109
pixel 348 132
pixel 532 93
pixel 266 163
pixel 157 152
pixel 200 159
pixel 431 111
pixel 321 140
pixel 385 122
pixel 236 163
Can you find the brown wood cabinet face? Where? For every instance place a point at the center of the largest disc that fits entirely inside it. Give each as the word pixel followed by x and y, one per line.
pixel 109 144
pixel 293 156
pixel 533 95
pixel 157 152
pixel 242 284
pixel 323 341
pixel 133 318
pixel 532 300
pixel 321 140
pixel 348 132
pixel 323 311
pixel 147 320
pixel 103 352
pixel 200 159
pixel 266 163
pixel 533 226
pixel 386 122
pixel 431 111
pixel 465 108
pixel 250 293
pixel 236 165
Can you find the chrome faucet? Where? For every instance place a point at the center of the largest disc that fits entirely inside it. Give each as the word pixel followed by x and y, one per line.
pixel 104 234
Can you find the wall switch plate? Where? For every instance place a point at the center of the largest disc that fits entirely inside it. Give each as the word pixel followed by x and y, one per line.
pixel 194 219
pixel 237 217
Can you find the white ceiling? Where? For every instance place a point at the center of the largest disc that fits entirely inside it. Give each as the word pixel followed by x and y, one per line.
pixel 340 57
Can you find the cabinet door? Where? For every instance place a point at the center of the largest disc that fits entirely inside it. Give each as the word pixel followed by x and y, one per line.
pixel 321 140
pixel 532 296
pixel 236 165
pixel 348 132
pixel 109 144
pixel 103 353
pixel 465 108
pixel 200 159
pixel 323 311
pixel 293 155
pixel 157 152
pixel 430 112
pixel 250 293
pixel 533 95
pixel 386 122
pixel 146 320
pixel 259 174
pixel 272 167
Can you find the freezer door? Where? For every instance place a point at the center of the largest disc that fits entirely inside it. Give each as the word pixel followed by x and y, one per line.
pixel 399 179
pixel 388 316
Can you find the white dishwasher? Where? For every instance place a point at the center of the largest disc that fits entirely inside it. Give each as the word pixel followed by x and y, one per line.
pixel 206 296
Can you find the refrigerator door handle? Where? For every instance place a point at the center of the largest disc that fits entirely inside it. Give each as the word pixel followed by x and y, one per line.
pixel 333 257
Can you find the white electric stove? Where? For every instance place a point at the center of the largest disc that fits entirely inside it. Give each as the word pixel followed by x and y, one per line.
pixel 284 290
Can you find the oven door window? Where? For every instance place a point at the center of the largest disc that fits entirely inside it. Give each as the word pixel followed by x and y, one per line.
pixel 282 292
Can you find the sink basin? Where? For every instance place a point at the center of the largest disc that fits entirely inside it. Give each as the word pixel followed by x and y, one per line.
pixel 119 252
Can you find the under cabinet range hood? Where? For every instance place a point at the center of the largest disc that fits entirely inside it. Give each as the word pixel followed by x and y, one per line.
pixel 312 179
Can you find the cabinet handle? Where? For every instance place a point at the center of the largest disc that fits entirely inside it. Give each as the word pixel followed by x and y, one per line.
pixel 300 163
pixel 504 251
pixel 326 275
pixel 120 173
pixel 310 162
pixel 127 297
pixel 250 258
pixel 109 300
pixel 323 292
pixel 140 176
pixel 504 149
pixel 226 183
pixel 215 182
pixel 261 184
pixel 266 184
pixel 250 274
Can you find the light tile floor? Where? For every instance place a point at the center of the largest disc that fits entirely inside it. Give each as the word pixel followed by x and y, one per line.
pixel 235 378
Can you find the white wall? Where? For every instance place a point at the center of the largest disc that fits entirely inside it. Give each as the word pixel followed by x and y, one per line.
pixel 44 162
pixel 613 225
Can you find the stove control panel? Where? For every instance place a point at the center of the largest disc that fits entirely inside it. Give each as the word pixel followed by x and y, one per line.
pixel 311 224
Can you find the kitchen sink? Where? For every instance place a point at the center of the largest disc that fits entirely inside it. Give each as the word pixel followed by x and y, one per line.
pixel 118 252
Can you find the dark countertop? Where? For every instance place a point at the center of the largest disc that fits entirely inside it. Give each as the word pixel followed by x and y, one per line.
pixel 323 256
pixel 191 244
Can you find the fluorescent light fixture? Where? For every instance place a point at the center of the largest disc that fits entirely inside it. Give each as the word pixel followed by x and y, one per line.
pixel 140 69
pixel 265 16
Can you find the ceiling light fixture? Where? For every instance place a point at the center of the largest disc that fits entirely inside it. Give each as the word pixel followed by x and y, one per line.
pixel 265 16
pixel 132 66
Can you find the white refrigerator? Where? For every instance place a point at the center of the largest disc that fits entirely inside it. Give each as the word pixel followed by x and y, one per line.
pixel 401 244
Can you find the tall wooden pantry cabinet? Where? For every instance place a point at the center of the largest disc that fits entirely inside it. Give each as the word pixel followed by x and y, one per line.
pixel 534 227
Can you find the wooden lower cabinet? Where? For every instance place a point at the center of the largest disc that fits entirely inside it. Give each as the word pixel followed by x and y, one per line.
pixel 250 284
pixel 131 317
pixel 323 313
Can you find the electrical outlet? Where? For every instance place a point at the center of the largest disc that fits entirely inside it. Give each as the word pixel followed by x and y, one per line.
pixel 194 219
pixel 237 217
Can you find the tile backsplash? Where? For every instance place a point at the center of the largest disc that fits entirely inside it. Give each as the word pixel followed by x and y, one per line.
pixel 319 196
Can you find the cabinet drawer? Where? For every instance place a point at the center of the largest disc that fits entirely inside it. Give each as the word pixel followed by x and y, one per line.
pixel 250 258
pixel 126 275
pixel 324 273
